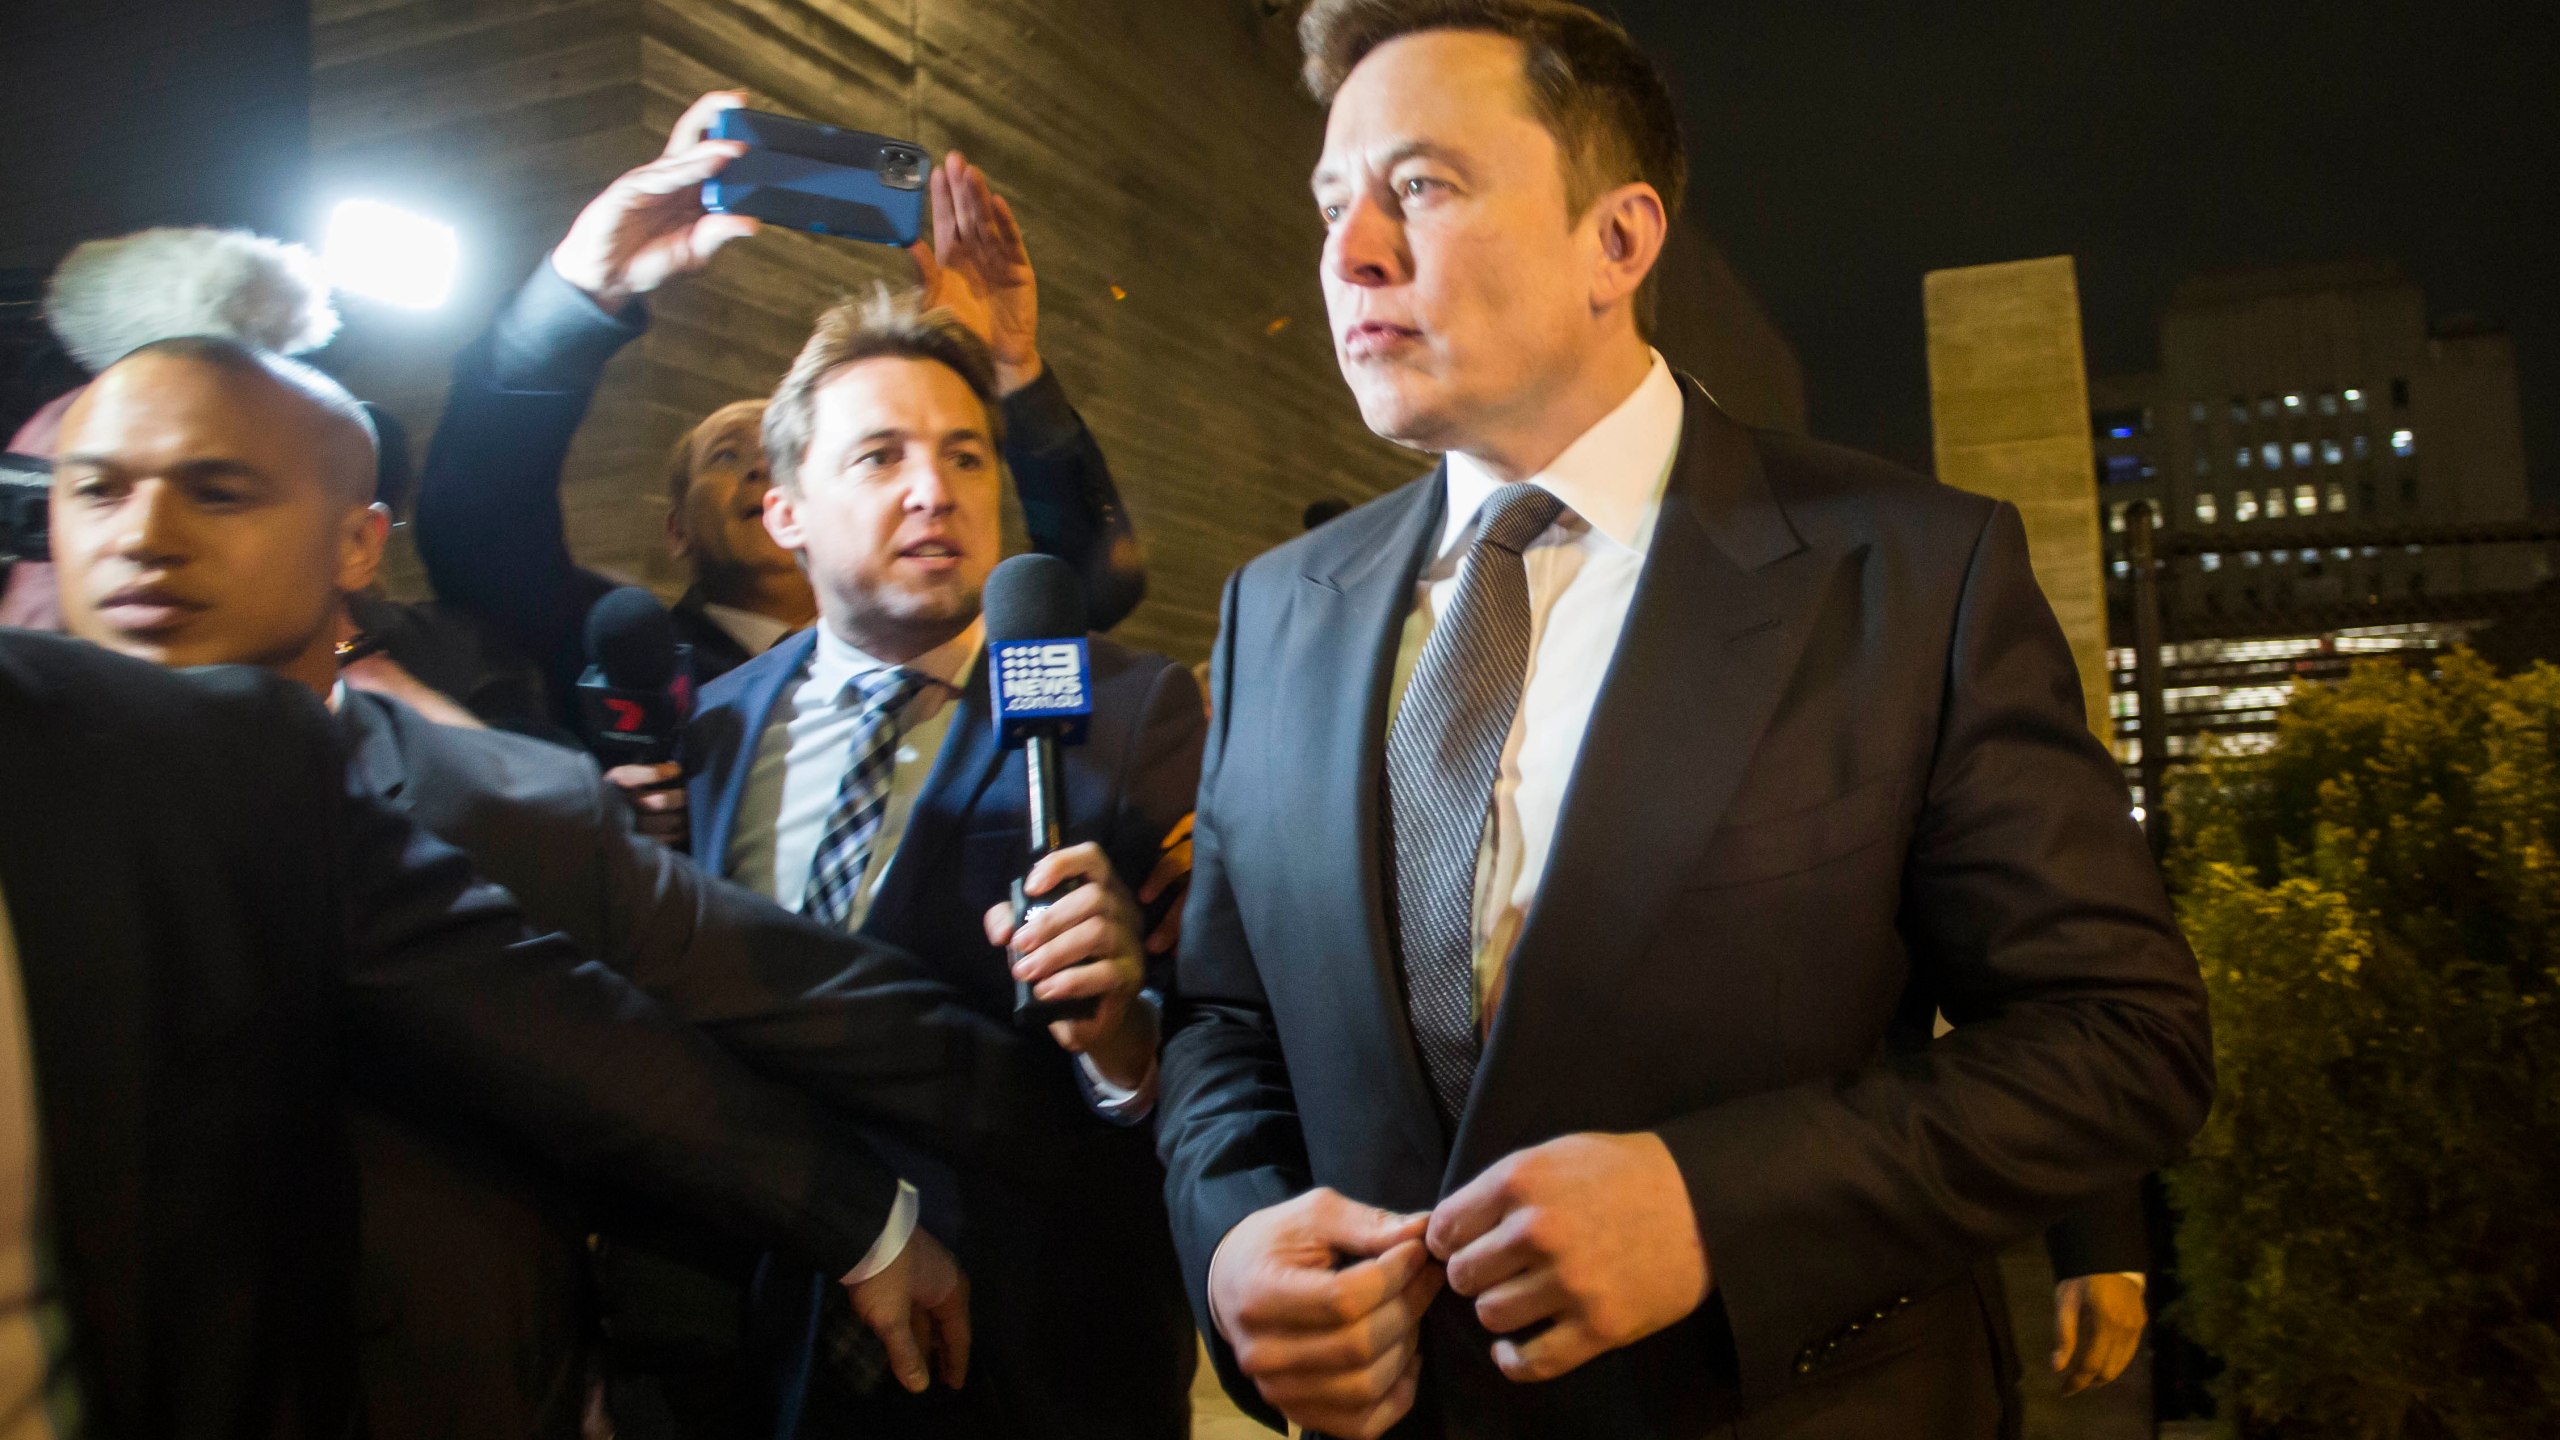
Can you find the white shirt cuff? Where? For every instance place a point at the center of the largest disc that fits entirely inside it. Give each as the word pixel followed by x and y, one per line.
pixel 2140 1280
pixel 1118 1104
pixel 893 1238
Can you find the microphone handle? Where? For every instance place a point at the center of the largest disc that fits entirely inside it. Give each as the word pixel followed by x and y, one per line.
pixel 1048 832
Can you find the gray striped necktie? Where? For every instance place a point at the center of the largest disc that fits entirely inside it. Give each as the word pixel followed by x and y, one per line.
pixel 1441 761
pixel 844 847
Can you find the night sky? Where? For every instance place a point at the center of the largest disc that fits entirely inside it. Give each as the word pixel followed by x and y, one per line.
pixel 1840 150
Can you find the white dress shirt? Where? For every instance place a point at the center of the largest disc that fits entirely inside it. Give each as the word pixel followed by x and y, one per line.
pixel 1582 579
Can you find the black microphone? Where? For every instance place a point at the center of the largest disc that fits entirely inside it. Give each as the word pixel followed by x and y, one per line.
pixel 637 691
pixel 1039 679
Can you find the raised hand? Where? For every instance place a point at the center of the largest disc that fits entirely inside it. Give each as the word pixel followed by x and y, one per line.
pixel 1322 1298
pixel 978 268
pixel 648 226
pixel 1592 1232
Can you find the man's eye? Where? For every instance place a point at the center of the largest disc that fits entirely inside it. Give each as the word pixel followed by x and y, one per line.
pixel 969 460
pixel 875 459
pixel 1414 187
pixel 1332 213
pixel 724 457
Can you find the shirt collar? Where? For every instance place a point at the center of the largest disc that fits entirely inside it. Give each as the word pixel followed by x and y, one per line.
pixel 754 633
pixel 838 661
pixel 1613 477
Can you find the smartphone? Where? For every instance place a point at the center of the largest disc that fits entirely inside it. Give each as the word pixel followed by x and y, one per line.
pixel 819 178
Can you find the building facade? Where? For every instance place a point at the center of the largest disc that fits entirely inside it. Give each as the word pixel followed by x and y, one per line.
pixel 2314 450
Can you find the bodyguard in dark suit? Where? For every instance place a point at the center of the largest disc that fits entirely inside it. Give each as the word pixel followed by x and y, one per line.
pixel 489 524
pixel 211 508
pixel 1592 828
pixel 854 773
pixel 215 937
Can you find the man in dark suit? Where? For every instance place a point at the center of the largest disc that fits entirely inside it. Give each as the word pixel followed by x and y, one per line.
pixel 211 510
pixel 213 933
pixel 854 774
pixel 1592 828
pixel 489 525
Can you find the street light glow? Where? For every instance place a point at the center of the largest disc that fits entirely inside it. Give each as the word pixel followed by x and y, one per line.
pixel 385 253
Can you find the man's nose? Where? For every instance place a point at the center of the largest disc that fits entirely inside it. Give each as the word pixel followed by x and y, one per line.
pixel 1366 247
pixel 151 525
pixel 929 489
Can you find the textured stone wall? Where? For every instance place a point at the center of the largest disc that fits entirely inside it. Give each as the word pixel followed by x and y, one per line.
pixel 1156 152
pixel 2009 401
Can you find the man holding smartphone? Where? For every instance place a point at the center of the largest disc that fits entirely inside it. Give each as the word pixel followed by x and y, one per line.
pixel 489 523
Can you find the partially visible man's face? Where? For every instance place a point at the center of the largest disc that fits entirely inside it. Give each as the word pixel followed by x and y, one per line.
pixel 719 526
pixel 896 513
pixel 1457 281
pixel 198 519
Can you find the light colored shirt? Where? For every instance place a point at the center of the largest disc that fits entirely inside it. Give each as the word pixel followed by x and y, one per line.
pixel 755 632
pixel 37 1401
pixel 1582 579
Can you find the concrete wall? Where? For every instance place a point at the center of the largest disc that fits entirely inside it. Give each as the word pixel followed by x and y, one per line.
pixel 2009 402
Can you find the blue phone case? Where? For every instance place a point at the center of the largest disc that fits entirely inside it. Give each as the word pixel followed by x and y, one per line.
pixel 820 178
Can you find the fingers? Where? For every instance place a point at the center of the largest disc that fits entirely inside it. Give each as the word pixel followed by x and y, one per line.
pixel 1521 1301
pixel 1286 1299
pixel 1510 1248
pixel 682 171
pixel 1078 862
pixel 1469 1214
pixel 634 778
pixel 1167 936
pixel 713 231
pixel 946 220
pixel 2066 1323
pixel 951 1336
pixel 999 923
pixel 1008 231
pixel 1341 1402
pixel 1562 1348
pixel 1173 863
pixel 898 1335
pixel 1343 1349
pixel 695 122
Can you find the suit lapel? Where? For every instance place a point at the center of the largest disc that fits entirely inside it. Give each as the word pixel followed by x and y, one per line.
pixel 754 709
pixel 968 761
pixel 1719 618
pixel 1341 659
pixel 70 866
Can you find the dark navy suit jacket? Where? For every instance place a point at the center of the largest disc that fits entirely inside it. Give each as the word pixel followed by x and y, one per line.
pixel 1081 1325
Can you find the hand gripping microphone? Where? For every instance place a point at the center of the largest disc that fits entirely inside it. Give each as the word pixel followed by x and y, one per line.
pixel 637 691
pixel 1039 681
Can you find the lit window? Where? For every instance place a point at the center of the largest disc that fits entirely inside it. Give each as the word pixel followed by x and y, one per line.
pixel 2369 552
pixel 2293 404
pixel 2337 501
pixel 2280 556
pixel 2205 510
pixel 2355 402
pixel 2115 518
pixel 2342 553
pixel 2358 447
pixel 2249 558
pixel 2245 458
pixel 2404 442
pixel 2120 432
pixel 2310 557
pixel 2302 454
pixel 2306 499
pixel 2328 402
pixel 2272 453
pixel 2275 503
pixel 2195 412
pixel 2245 506
pixel 2124 569
pixel 2210 561
pixel 2331 453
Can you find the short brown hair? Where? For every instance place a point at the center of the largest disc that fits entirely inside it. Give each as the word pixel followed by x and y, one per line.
pixel 853 330
pixel 680 459
pixel 1596 93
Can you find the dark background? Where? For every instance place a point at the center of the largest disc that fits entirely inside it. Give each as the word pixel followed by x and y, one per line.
pixel 1839 150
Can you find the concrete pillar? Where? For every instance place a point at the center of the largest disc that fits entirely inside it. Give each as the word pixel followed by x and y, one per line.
pixel 2009 400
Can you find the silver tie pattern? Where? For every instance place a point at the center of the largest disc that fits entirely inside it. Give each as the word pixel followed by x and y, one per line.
pixel 844 848
pixel 1441 761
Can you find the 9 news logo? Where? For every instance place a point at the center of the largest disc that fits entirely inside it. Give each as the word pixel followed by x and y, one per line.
pixel 1041 676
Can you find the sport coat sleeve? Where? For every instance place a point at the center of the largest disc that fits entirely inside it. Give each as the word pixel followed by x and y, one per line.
pixel 2107 1236
pixel 845 1018
pixel 1227 1121
pixel 489 526
pixel 1070 508
pixel 453 1007
pixel 2080 1055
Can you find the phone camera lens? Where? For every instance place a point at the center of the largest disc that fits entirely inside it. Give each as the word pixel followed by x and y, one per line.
pixel 902 169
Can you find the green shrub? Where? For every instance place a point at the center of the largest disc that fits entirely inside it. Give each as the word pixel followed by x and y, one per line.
pixel 2372 1215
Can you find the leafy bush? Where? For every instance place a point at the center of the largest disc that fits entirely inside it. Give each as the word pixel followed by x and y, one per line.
pixel 2372 1215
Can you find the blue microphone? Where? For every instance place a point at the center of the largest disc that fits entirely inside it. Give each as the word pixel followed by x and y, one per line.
pixel 1040 680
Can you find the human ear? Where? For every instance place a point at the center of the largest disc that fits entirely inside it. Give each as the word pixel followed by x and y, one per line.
pixel 1631 227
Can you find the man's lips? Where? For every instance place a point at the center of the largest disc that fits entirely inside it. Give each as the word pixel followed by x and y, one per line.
pixel 931 554
pixel 146 609
pixel 1372 338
